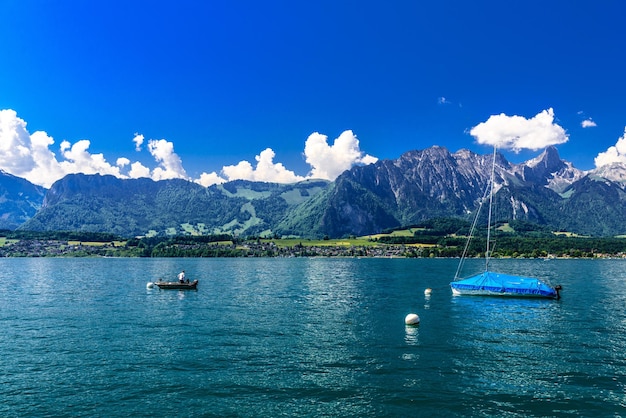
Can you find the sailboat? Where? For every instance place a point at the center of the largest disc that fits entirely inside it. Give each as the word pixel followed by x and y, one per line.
pixel 490 283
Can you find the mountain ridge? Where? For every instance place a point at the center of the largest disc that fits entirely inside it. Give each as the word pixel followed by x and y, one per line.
pixel 417 186
pixel 19 200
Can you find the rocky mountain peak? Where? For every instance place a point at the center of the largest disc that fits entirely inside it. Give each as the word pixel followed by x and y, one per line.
pixel 420 185
pixel 615 172
pixel 548 160
pixel 549 170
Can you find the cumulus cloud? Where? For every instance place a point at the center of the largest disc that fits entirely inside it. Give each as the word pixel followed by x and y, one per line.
pixel 79 160
pixel 208 179
pixel 588 123
pixel 517 133
pixel 170 164
pixel 46 169
pixel 329 161
pixel 138 170
pixel 122 162
pixel 265 170
pixel 614 154
pixel 15 144
pixel 31 156
pixel 138 140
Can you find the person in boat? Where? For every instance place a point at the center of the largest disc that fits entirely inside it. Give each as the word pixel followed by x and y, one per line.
pixel 181 277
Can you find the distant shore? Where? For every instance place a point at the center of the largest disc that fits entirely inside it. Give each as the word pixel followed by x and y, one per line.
pixel 270 248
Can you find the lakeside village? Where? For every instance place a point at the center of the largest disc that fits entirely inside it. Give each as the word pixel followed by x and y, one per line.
pixel 354 247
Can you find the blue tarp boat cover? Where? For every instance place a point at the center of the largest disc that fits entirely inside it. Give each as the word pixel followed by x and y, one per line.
pixel 490 283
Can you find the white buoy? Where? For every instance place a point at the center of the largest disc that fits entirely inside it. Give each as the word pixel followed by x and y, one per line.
pixel 428 291
pixel 149 285
pixel 412 319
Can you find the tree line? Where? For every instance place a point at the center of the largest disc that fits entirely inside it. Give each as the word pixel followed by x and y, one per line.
pixel 436 238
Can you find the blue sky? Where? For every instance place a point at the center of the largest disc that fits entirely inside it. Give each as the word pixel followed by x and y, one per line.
pixel 191 87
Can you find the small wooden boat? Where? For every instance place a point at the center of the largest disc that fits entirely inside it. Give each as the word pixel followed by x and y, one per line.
pixel 177 285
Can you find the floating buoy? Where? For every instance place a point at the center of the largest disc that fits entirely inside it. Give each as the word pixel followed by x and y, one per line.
pixel 428 291
pixel 412 319
pixel 149 285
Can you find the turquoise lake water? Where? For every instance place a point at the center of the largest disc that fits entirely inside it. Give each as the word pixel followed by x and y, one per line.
pixel 307 337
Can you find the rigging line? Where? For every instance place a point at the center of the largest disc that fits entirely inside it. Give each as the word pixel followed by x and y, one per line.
pixel 493 171
pixel 471 233
pixel 495 235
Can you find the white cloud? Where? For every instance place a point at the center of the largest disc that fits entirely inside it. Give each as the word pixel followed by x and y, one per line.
pixel 588 123
pixel 329 161
pixel 79 160
pixel 170 164
pixel 15 144
pixel 46 169
pixel 21 153
pixel 614 154
pixel 138 140
pixel 242 171
pixel 265 170
pixel 138 170
pixel 208 179
pixel 122 162
pixel 443 101
pixel 517 133
pixel 30 156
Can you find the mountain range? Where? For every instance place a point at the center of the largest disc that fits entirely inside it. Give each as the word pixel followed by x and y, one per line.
pixel 418 186
pixel 19 200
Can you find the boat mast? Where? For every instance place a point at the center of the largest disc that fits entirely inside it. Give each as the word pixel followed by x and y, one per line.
pixel 493 171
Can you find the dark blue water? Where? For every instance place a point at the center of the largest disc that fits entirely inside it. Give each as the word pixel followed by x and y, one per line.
pixel 306 337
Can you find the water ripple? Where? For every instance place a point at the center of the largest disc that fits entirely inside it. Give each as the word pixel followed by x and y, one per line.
pixel 307 337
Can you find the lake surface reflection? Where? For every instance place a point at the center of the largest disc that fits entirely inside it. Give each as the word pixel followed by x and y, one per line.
pixel 307 337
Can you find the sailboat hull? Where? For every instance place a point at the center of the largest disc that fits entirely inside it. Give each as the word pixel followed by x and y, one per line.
pixel 497 284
